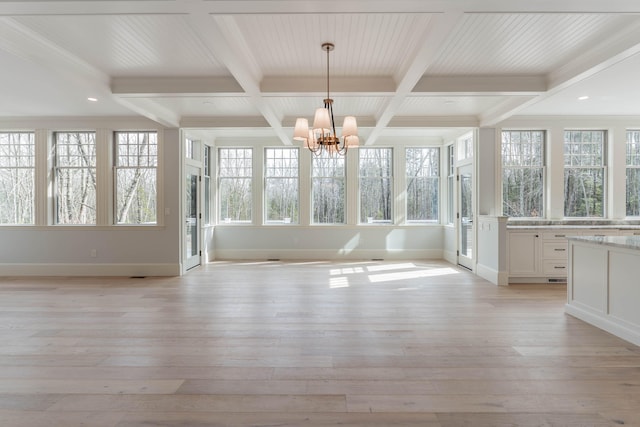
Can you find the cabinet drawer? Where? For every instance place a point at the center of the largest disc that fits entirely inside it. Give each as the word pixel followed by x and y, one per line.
pixel 600 233
pixel 559 235
pixel 554 250
pixel 554 268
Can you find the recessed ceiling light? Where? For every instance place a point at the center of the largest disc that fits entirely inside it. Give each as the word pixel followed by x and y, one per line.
pixel 92 99
pixel 582 98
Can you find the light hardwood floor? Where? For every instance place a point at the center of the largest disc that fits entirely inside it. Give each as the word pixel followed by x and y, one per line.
pixel 418 343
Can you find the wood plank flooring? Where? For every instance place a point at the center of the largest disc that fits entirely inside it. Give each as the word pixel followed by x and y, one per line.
pixel 404 343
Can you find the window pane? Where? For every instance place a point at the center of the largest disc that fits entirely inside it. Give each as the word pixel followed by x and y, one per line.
pixel 17 174
pixel 207 185
pixel 235 171
pixel 376 199
pixel 584 192
pixel 522 192
pixel 136 177
pixel 450 182
pixel 281 185
pixel 633 191
pixel 75 177
pixel 584 173
pixel 522 173
pixel 423 183
pixel 328 189
pixel 633 173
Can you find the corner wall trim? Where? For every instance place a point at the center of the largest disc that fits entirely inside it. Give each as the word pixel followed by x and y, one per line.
pixel 500 278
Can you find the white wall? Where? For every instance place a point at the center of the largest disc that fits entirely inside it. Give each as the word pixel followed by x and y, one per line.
pixel 328 242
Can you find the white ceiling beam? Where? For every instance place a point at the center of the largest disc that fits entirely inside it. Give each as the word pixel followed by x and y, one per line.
pixel 441 26
pixel 618 47
pixel 235 7
pixel 223 122
pixel 481 85
pixel 151 110
pixel 174 86
pixel 318 85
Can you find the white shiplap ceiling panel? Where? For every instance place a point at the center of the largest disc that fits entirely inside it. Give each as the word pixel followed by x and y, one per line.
pixel 447 105
pixel 230 106
pixel 514 43
pixel 366 44
pixel 129 45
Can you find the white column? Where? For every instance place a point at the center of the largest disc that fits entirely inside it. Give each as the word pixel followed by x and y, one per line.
pixel 554 203
pixel 43 176
pixel 617 173
pixel 104 177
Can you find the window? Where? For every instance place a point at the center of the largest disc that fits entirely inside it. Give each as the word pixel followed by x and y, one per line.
pixel 633 173
pixel 235 173
pixel 465 147
pixel 192 149
pixel 281 185
pixel 75 177
pixel 376 172
pixel 136 163
pixel 584 172
pixel 328 189
pixel 207 185
pixel 451 172
pixel 423 183
pixel 523 173
pixel 17 178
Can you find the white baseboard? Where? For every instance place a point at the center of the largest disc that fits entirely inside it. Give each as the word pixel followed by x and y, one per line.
pixel 616 327
pixel 90 270
pixel 500 278
pixel 284 254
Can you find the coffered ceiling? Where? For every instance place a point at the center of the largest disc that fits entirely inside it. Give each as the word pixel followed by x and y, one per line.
pixel 399 66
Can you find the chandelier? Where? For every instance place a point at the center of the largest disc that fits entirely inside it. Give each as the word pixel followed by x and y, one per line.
pixel 322 137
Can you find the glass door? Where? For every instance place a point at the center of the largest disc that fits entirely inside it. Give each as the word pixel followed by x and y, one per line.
pixel 192 220
pixel 465 217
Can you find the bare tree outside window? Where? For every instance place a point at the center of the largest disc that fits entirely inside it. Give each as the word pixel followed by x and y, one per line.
pixel 235 174
pixel 328 189
pixel 281 185
pixel 17 172
pixel 523 173
pixel 136 163
pixel 423 184
pixel 376 181
pixel 633 173
pixel 584 172
pixel 75 177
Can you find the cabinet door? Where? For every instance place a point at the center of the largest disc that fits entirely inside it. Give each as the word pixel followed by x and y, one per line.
pixel 523 254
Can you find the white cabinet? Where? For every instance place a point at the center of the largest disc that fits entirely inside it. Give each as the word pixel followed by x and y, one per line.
pixel 540 255
pixel 523 253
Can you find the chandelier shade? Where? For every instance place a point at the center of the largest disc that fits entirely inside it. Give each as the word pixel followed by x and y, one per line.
pixel 322 136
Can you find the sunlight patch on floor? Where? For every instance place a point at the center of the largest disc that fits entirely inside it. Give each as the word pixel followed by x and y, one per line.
pixel 415 274
pixel 338 282
pixel 338 271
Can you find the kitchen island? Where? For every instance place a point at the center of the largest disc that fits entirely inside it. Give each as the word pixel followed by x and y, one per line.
pixel 603 283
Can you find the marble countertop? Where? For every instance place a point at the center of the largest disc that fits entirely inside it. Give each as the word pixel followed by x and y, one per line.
pixel 626 242
pixel 574 224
